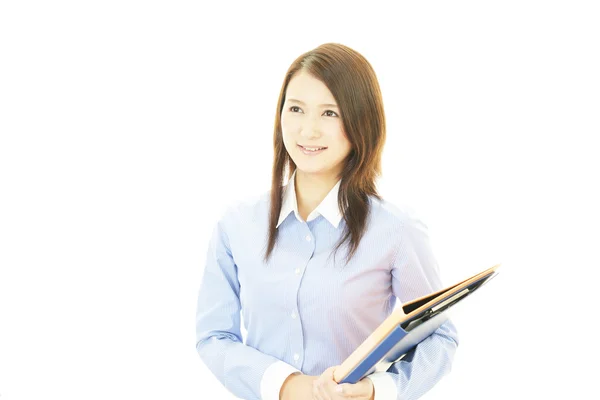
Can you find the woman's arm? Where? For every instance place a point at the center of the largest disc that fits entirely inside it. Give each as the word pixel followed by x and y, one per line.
pixel 243 370
pixel 414 274
pixel 421 369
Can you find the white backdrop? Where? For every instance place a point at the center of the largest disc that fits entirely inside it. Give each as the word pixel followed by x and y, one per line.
pixel 127 127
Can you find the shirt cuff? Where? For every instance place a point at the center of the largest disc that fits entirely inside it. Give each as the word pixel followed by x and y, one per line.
pixel 273 379
pixel 384 385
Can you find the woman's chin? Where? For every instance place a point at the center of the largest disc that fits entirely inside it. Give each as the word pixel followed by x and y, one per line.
pixel 311 169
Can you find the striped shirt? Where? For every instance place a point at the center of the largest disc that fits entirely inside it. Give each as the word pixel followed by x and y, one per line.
pixel 305 313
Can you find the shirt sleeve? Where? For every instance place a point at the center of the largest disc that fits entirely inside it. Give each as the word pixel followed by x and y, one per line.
pixel 415 274
pixel 243 370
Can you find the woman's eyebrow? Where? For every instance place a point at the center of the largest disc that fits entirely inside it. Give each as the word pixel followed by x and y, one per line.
pixel 301 102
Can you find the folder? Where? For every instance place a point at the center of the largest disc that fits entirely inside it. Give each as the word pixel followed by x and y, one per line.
pixel 405 328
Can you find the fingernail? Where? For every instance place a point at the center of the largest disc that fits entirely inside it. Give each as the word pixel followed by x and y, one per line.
pixel 339 389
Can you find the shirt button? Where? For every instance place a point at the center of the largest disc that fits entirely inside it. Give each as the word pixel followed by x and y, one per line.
pixel 308 238
pixel 294 314
pixel 297 271
pixel 296 357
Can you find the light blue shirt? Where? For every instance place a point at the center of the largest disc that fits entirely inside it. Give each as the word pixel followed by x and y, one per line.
pixel 303 313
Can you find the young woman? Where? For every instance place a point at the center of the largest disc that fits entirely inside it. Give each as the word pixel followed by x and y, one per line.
pixel 273 258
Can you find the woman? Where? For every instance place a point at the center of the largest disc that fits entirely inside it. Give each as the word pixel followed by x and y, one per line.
pixel 304 311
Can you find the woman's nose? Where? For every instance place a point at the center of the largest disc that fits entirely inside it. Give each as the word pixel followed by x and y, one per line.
pixel 310 128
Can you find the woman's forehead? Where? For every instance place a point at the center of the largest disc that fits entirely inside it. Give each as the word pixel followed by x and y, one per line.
pixel 306 89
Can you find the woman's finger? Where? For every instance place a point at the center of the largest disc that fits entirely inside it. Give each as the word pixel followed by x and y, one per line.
pixel 317 393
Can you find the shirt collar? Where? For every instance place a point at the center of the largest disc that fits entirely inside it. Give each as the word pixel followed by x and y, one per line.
pixel 328 208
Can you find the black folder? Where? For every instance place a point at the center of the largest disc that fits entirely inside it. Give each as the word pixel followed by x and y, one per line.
pixel 405 328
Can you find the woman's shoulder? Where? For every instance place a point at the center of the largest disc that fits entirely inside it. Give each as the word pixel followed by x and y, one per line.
pixel 395 211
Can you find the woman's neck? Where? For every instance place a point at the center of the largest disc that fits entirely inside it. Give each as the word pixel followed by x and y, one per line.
pixel 311 189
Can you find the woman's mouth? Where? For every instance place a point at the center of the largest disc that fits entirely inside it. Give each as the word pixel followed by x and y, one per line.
pixel 312 150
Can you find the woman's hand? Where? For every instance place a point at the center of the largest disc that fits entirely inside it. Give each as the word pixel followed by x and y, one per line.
pixel 325 388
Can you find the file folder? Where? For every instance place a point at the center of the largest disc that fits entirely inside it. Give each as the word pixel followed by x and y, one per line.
pixel 405 328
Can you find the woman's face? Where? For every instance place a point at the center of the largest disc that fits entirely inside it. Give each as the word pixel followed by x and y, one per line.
pixel 310 118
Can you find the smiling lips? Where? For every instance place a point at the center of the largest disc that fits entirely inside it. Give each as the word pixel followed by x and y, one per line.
pixel 312 148
pixel 311 151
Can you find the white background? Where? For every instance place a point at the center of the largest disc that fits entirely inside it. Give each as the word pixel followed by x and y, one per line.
pixel 127 126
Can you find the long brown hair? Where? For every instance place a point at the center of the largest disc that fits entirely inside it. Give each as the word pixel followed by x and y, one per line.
pixel 353 83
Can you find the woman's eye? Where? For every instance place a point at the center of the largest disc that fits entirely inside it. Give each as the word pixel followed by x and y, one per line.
pixel 292 109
